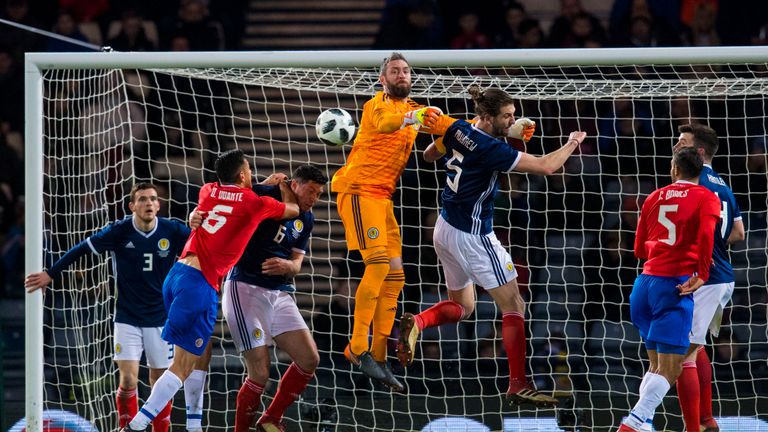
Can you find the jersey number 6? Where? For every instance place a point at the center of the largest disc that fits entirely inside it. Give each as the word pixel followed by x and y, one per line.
pixel 216 218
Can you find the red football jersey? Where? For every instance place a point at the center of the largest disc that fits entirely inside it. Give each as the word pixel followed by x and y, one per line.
pixel 231 215
pixel 675 232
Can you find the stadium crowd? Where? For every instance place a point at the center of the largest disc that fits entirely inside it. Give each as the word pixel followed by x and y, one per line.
pixel 625 131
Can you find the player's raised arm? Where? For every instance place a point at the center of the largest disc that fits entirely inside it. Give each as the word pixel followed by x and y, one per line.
pixel 550 162
pixel 435 150
pixel 42 279
pixel 289 198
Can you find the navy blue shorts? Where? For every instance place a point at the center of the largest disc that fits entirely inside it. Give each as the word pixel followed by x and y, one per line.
pixel 192 304
pixel 663 317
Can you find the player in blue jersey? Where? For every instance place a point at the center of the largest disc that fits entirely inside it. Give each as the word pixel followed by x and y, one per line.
pixel 694 386
pixel 464 239
pixel 260 310
pixel 143 247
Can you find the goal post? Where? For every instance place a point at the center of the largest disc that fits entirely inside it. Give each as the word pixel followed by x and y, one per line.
pixel 126 123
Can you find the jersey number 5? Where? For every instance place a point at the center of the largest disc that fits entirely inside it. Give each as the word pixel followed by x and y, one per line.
pixel 668 224
pixel 216 218
pixel 454 184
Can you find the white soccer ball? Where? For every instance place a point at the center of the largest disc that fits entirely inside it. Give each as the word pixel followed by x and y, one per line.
pixel 335 127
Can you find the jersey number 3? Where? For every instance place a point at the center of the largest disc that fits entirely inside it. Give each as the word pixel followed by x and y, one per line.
pixel 668 224
pixel 216 218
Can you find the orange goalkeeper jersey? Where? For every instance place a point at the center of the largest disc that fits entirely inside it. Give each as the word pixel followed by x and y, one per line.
pixel 381 148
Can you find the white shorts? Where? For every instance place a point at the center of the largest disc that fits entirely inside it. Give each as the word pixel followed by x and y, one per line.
pixel 255 315
pixel 708 304
pixel 470 258
pixel 131 341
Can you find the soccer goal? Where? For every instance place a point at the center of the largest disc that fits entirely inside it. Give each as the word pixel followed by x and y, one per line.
pixel 97 123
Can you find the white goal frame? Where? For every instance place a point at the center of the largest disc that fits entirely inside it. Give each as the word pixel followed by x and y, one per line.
pixel 37 63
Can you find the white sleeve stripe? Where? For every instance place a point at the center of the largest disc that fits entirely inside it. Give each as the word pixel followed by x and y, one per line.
pixel 297 250
pixel 517 160
pixel 737 219
pixel 90 245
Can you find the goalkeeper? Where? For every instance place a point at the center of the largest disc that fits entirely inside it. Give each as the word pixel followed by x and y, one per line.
pixel 365 185
pixel 464 239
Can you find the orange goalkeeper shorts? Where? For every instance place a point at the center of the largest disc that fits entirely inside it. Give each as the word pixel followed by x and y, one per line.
pixel 369 222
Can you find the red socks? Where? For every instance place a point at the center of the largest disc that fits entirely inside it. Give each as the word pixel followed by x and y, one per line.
pixel 162 421
pixel 292 384
pixel 248 401
pixel 445 312
pixel 127 402
pixel 704 369
pixel 688 395
pixel 513 336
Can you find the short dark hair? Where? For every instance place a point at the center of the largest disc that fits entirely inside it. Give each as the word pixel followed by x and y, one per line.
pixel 140 187
pixel 392 57
pixel 703 137
pixel 228 165
pixel 689 162
pixel 489 101
pixel 307 173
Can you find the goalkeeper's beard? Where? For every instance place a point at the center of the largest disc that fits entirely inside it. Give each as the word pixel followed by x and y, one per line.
pixel 399 91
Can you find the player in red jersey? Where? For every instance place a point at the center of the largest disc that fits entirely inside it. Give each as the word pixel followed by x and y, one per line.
pixel 674 235
pixel 232 213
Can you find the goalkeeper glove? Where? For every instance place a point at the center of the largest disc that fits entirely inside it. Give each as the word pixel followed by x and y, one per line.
pixel 426 117
pixel 523 129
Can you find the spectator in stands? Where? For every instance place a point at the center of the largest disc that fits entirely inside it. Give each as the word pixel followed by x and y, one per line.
pixel 410 25
pixel 11 89
pixel 509 35
pixel 661 17
pixel 67 27
pixel 470 37
pixel 194 23
pixel 531 35
pixel 85 10
pixel 564 29
pixel 701 31
pixel 20 41
pixel 132 36
pixel 583 33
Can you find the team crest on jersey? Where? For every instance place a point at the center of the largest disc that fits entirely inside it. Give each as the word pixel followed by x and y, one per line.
pixel 373 233
pixel 298 225
pixel 163 244
pixel 257 333
pixel 199 342
pixel 118 348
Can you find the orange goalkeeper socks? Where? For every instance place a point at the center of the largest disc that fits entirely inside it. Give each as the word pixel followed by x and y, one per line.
pixel 367 297
pixel 386 309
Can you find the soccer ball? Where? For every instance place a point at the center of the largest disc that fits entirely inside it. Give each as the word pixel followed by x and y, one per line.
pixel 335 127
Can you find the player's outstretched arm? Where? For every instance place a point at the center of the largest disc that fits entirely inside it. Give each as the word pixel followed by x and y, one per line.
pixel 289 198
pixel 435 150
pixel 550 162
pixel 36 281
pixel 274 179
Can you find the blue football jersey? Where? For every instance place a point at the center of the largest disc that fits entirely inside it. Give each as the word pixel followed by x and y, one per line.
pixel 474 160
pixel 140 262
pixel 273 239
pixel 721 271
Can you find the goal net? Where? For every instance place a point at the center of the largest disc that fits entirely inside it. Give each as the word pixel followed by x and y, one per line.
pixel 117 120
